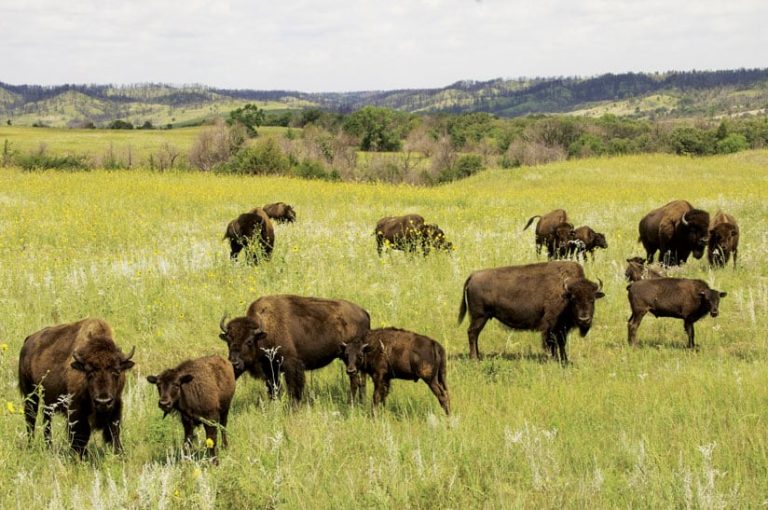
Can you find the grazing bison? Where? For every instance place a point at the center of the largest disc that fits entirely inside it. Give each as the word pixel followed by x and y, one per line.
pixel 551 297
pixel 409 233
pixel 676 230
pixel 560 241
pixel 291 334
pixel 638 269
pixel 680 298
pixel 252 226
pixel 200 390
pixel 280 212
pixel 392 353
pixel 586 241
pixel 546 226
pixel 723 239
pixel 79 371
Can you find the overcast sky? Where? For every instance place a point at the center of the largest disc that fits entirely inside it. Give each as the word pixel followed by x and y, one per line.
pixel 343 45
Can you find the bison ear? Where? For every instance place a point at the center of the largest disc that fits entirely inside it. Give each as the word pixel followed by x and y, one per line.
pixel 126 365
pixel 78 363
pixel 723 294
pixel 152 379
pixel 366 347
pixel 599 294
pixel 186 378
pixel 223 336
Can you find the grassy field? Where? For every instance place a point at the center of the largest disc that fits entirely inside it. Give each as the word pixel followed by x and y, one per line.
pixel 656 426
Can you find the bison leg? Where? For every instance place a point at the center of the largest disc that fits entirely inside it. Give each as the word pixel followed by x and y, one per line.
pixel 210 434
pixel 47 418
pixel 562 338
pixel 441 392
pixel 223 416
pixel 31 404
pixel 476 325
pixel 294 378
pixel 111 435
pixel 549 342
pixel 189 431
pixel 380 390
pixel 79 433
pixel 735 253
pixel 357 386
pixel 689 330
pixel 235 248
pixel 632 324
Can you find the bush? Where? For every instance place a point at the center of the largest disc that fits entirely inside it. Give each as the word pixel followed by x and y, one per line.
pixel 42 161
pixel 264 158
pixel 215 145
pixel 310 169
pixel 465 165
pixel 733 142
pixel 120 124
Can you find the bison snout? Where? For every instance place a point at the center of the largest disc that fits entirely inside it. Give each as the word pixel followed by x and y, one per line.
pixel 165 405
pixel 714 313
pixel 351 370
pixel 585 319
pixel 104 403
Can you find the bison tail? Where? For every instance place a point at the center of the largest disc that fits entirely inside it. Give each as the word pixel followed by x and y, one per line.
pixel 530 220
pixel 463 306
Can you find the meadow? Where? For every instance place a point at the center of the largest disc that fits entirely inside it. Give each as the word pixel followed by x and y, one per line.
pixel 657 426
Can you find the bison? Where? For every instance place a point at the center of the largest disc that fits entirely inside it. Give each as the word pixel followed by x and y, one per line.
pixel 252 226
pixel 79 371
pixel 409 233
pixel 392 353
pixel 550 297
pixel 290 334
pixel 676 230
pixel 546 227
pixel 680 298
pixel 200 391
pixel 280 212
pixel 560 241
pixel 585 242
pixel 637 269
pixel 723 240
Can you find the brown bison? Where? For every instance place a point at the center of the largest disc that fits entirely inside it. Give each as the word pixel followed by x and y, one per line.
pixel 252 226
pixel 79 371
pixel 200 390
pixel 290 334
pixel 280 212
pixel 560 241
pixel 638 269
pixel 392 353
pixel 723 239
pixel 680 298
pixel 546 227
pixel 551 297
pixel 410 233
pixel 676 230
pixel 585 242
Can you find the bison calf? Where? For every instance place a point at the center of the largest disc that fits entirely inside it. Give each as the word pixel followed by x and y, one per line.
pixel 679 298
pixel 391 353
pixel 585 242
pixel 251 227
pixel 637 269
pixel 79 371
pixel 200 390
pixel 280 212
pixel 723 240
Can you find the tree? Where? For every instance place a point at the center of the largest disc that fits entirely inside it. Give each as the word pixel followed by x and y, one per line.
pixel 250 116
pixel 379 129
pixel 120 124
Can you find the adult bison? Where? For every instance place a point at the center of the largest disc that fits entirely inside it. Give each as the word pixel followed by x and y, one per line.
pixel 280 212
pixel 79 371
pixel 546 226
pixel 561 241
pixel 550 297
pixel 680 298
pixel 676 230
pixel 290 334
pixel 253 226
pixel 409 233
pixel 585 242
pixel 723 240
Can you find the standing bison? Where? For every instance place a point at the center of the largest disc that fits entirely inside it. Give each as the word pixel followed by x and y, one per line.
pixel 290 334
pixel 723 240
pixel 392 353
pixel 79 371
pixel 551 297
pixel 280 212
pixel 251 227
pixel 200 390
pixel 546 227
pixel 638 269
pixel 676 230
pixel 410 233
pixel 585 242
pixel 680 298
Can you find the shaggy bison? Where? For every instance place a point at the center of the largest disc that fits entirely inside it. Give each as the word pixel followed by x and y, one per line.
pixel 551 297
pixel 290 334
pixel 638 269
pixel 561 241
pixel 200 390
pixel 546 226
pixel 79 371
pixel 409 233
pixel 280 212
pixel 585 242
pixel 253 226
pixel 392 353
pixel 723 240
pixel 680 298
pixel 676 230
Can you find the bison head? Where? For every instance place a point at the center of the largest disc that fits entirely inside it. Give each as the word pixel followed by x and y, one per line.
pixel 169 385
pixel 290 214
pixel 354 355
pixel 104 367
pixel 600 241
pixel 695 230
pixel 581 295
pixel 434 237
pixel 722 241
pixel 635 269
pixel 242 335
pixel 710 298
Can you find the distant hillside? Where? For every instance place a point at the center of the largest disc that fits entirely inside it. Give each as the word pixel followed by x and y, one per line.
pixel 677 94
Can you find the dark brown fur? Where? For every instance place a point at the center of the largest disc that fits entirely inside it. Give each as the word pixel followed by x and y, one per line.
pixel 250 226
pixel 560 241
pixel 546 227
pixel 638 269
pixel 680 298
pixel 665 229
pixel 723 240
pixel 280 212
pixel 409 233
pixel 307 333
pixel 200 391
pixel 79 371
pixel 392 353
pixel 551 297
pixel 585 242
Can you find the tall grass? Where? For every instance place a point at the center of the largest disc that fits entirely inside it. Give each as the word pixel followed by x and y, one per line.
pixel 656 426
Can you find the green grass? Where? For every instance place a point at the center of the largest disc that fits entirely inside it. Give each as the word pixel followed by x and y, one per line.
pixel 656 426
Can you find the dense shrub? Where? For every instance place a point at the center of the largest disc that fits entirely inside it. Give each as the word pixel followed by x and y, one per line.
pixel 42 161
pixel 120 124
pixel 262 158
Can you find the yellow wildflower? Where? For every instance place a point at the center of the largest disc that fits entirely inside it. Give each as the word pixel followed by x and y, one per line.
pixel 4 347
pixel 209 443
pixel 197 473
pixel 10 407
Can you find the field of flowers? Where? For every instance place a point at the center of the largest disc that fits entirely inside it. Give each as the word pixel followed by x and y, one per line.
pixel 655 426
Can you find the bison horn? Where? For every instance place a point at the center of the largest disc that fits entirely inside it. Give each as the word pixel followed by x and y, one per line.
pixel 77 357
pixel 565 283
pixel 600 285
pixel 221 324
pixel 130 354
pixel 685 222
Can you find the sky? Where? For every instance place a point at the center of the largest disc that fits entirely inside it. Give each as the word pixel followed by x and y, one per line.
pixel 349 45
